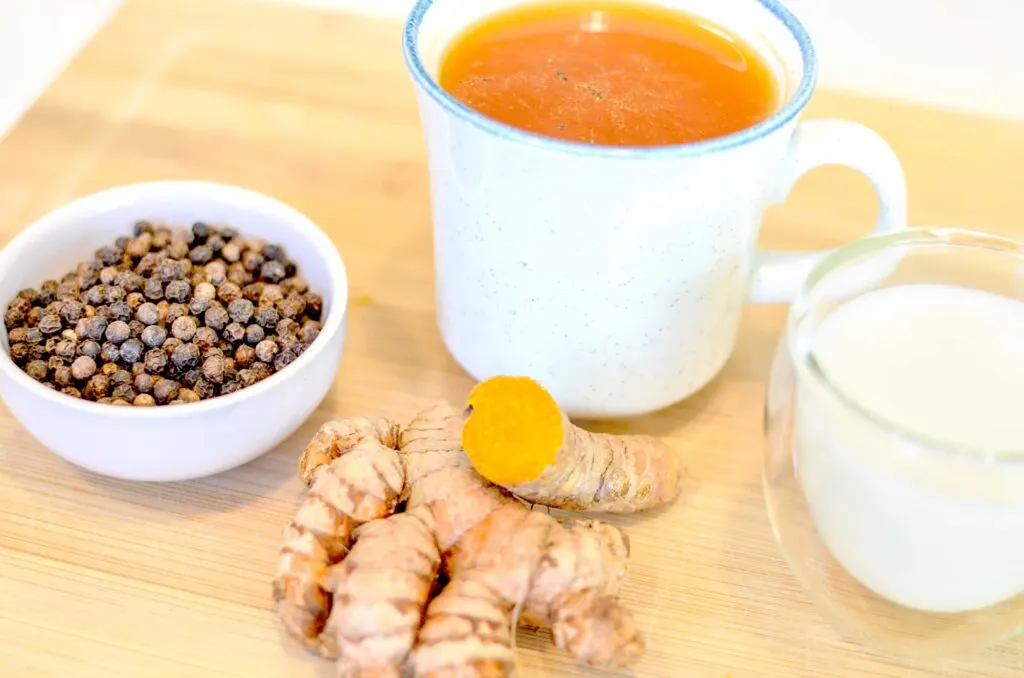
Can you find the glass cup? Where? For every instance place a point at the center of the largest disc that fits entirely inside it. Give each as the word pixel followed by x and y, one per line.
pixel 907 540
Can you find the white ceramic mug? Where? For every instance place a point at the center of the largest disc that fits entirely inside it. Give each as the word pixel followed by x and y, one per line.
pixel 616 276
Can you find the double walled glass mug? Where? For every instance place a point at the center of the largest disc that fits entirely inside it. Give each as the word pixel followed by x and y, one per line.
pixel 894 467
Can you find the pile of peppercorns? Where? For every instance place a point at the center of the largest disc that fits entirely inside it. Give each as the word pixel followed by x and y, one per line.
pixel 167 316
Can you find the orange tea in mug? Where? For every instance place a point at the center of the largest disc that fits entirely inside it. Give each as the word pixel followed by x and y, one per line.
pixel 609 72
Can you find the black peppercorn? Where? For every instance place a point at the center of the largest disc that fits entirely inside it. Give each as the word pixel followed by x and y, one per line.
pixel 295 284
pixel 66 349
pixel 153 289
pixel 132 350
pixel 47 292
pixel 117 332
pixel 272 271
pixel 267 317
pixel 143 382
pixel 201 231
pixel 50 324
pixel 245 356
pixel 72 311
pixel 201 254
pixel 62 376
pixel 90 348
pixel 261 370
pixel 154 336
pixel 271 295
pixel 205 337
pixel 189 378
pixel 213 368
pixel 20 352
pixel 155 360
pixel 266 350
pixel 166 390
pixel 240 309
pixel 310 331
pixel 231 251
pixel 109 369
pixel 314 306
pixel 234 332
pixel 292 306
pixel 216 317
pixel 148 314
pixel 107 275
pixel 135 327
pixel 231 387
pixel 67 291
pixel 186 395
pixel 71 391
pixel 170 343
pixel 94 328
pixel 254 334
pixel 175 311
pixel 238 275
pixel 169 270
pixel 184 328
pixel 178 248
pixel 97 387
pixel 228 292
pixel 129 281
pixel 110 352
pixel 17 335
pixel 123 392
pixel 198 305
pixel 120 310
pixel 286 326
pixel 135 301
pixel 216 272
pixel 204 389
pixel 178 291
pixel 109 255
pixel 37 369
pixel 185 356
pixel 144 400
pixel 14 318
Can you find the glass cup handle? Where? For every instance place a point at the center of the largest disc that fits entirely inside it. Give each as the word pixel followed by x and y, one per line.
pixel 778 275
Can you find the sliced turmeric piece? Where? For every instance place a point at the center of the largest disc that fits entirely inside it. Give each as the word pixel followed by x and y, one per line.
pixel 516 436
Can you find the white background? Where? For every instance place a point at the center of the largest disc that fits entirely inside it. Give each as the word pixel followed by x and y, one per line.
pixel 960 54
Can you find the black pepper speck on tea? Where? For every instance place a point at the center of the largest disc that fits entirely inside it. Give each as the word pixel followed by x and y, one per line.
pixel 167 316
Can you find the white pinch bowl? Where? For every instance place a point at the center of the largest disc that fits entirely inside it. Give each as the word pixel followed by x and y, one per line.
pixel 176 442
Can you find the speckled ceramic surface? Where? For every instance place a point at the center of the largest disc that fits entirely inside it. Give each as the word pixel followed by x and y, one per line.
pixel 616 276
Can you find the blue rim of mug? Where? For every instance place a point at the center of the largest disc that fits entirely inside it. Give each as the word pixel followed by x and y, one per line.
pixel 789 111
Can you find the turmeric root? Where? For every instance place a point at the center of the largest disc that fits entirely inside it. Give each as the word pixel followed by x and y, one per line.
pixel 354 581
pixel 517 437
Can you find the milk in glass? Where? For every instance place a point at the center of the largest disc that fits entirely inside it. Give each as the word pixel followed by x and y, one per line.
pixel 911 456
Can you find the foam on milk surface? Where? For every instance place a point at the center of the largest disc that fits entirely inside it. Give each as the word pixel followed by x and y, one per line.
pixel 941 361
pixel 917 525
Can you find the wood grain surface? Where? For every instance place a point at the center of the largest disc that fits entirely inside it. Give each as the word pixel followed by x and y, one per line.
pixel 107 578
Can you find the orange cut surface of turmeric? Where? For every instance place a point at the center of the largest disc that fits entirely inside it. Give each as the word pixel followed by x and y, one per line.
pixel 520 438
pixel 517 437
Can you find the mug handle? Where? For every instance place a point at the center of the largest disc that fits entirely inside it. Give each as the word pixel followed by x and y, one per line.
pixel 778 275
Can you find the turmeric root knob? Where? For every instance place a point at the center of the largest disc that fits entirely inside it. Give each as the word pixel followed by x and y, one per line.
pixel 516 436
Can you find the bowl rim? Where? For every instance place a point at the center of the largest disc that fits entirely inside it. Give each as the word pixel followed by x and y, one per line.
pixel 110 198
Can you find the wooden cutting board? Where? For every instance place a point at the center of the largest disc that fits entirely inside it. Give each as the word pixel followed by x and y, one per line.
pixel 107 578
